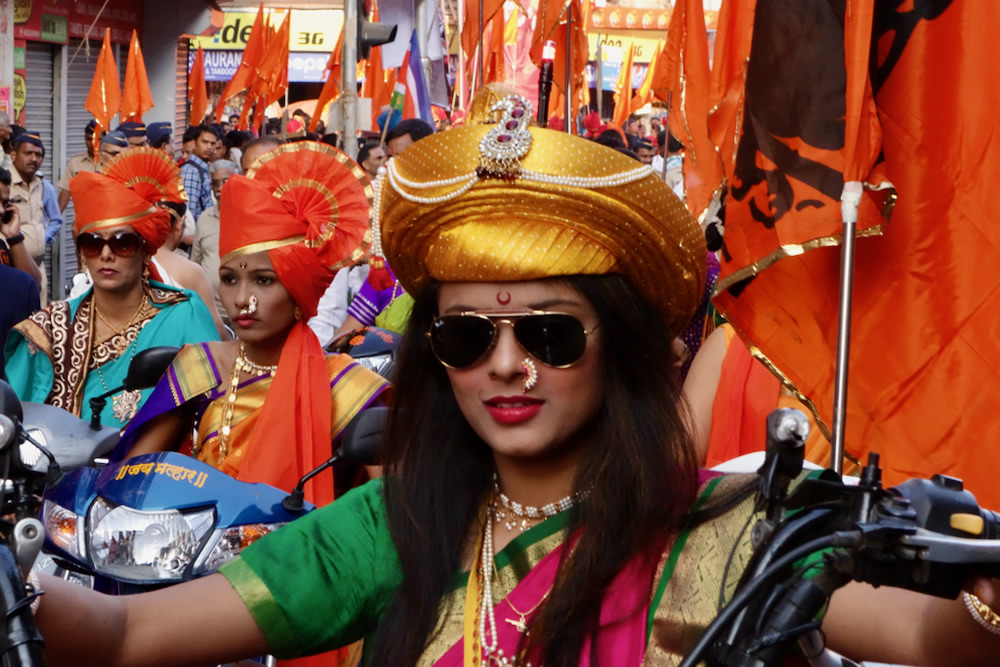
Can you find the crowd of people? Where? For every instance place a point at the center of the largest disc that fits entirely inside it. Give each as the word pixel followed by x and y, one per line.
pixel 542 497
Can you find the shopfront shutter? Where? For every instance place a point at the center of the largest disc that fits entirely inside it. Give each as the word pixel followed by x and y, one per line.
pixel 181 93
pixel 39 113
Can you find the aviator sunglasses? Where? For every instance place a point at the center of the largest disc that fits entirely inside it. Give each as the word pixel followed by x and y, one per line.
pixel 556 339
pixel 123 244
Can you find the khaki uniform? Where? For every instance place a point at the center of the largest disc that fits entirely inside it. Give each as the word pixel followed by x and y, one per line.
pixel 32 213
pixel 77 163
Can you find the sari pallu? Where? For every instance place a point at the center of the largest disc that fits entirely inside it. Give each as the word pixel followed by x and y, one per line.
pixel 49 354
pixel 195 379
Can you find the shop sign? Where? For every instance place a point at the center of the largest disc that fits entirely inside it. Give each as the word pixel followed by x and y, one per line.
pixel 645 47
pixel 119 16
pixel 20 92
pixel 310 31
pixel 302 67
pixel 42 21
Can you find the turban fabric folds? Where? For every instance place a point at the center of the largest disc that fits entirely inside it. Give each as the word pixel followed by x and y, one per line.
pixel 307 205
pixel 102 202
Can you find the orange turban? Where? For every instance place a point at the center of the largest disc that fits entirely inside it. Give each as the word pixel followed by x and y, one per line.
pixel 307 205
pixel 102 202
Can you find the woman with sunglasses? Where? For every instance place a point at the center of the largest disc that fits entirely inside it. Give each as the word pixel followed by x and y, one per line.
pixel 542 502
pixel 74 350
pixel 267 406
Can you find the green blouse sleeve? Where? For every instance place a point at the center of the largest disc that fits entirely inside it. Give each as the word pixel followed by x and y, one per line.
pixel 324 580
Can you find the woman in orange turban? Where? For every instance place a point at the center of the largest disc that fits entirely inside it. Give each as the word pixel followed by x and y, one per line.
pixel 73 350
pixel 297 217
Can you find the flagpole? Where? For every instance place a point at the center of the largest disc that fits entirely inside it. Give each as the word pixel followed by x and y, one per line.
pixel 349 77
pixel 600 78
pixel 461 56
pixel 568 78
pixel 850 199
pixel 666 127
pixel 479 52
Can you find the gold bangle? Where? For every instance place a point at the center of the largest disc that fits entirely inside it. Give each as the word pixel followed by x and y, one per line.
pixel 988 619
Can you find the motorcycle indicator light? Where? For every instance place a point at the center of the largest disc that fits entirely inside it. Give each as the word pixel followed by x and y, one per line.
pixel 140 546
pixel 232 541
pixel 62 527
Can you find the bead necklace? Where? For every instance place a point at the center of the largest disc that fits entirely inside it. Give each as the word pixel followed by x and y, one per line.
pixel 529 513
pixel 240 365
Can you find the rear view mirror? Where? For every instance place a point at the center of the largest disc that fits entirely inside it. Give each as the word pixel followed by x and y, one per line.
pixel 148 367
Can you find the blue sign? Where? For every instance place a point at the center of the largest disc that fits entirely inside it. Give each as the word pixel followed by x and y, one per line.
pixel 222 65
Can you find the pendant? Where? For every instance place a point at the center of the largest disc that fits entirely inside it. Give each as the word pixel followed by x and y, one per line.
pixel 519 624
pixel 125 405
pixel 120 344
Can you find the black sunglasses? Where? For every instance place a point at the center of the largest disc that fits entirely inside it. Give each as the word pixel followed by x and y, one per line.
pixel 556 339
pixel 123 244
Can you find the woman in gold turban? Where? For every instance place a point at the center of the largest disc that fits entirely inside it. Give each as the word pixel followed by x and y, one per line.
pixel 73 350
pixel 542 501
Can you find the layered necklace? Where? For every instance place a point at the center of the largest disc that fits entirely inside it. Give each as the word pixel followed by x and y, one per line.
pixel 500 511
pixel 240 365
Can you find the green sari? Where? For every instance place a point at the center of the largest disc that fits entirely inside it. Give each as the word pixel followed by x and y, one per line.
pixel 326 579
pixel 52 356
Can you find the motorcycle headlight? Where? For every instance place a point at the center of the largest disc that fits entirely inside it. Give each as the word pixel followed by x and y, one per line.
pixel 139 546
pixel 63 528
pixel 232 541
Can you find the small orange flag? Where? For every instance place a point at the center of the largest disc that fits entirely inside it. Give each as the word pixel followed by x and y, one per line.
pixel 136 98
pixel 274 64
pixel 105 97
pixel 331 88
pixel 623 90
pixel 247 70
pixel 197 92
pixel 550 24
pixel 644 95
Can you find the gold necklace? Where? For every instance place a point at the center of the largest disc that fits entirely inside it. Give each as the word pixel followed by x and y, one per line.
pixel 240 365
pixel 521 624
pixel 125 404
pixel 120 343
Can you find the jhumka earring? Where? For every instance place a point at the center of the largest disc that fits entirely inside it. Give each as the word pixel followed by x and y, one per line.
pixel 530 377
pixel 251 306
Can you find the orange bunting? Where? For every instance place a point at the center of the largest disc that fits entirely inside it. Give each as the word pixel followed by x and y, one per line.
pixel 197 91
pixel 105 97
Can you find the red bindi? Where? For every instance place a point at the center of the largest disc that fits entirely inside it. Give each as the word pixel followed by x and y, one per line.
pixel 503 298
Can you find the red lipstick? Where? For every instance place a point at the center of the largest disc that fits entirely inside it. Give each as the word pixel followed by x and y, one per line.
pixel 244 321
pixel 513 409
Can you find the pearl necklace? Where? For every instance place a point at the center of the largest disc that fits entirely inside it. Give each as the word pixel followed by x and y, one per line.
pixel 527 513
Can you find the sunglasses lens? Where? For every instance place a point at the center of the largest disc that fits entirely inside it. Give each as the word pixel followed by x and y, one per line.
pixel 554 339
pixel 90 245
pixel 461 340
pixel 125 245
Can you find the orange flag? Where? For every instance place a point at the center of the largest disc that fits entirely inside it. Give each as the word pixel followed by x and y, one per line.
pixel 247 70
pixel 691 104
pixel 470 31
pixel 923 377
pixel 493 66
pixel 254 103
pixel 196 89
pixel 623 91
pixel 728 78
pixel 136 98
pixel 644 95
pixel 105 97
pixel 331 87
pixel 274 64
pixel 550 24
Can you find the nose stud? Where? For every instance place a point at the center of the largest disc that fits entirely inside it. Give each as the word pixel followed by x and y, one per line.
pixel 251 306
pixel 530 377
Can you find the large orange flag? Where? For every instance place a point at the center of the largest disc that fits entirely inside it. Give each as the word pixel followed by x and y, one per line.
pixel 690 103
pixel 470 31
pixel 331 87
pixel 197 92
pixel 136 98
pixel 623 91
pixel 923 376
pixel 728 78
pixel 247 70
pixel 105 97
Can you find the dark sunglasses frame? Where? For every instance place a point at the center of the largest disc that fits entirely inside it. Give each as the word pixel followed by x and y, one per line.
pixel 512 318
pixel 116 243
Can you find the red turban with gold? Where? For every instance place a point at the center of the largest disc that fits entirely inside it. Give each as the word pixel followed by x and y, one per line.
pixel 307 205
pixel 102 202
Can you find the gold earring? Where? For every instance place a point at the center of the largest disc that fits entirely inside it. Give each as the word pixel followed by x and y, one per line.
pixel 298 313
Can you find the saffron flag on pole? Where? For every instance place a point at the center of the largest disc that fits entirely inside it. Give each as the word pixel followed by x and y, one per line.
pixel 136 98
pixel 246 71
pixel 550 24
pixel 623 91
pixel 644 95
pixel 331 87
pixel 197 92
pixel 923 370
pixel 105 96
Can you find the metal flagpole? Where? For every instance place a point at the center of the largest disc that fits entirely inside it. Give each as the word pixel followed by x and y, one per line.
pixel 479 52
pixel 349 79
pixel 460 77
pixel 849 207
pixel 600 77
pixel 570 123
pixel 666 127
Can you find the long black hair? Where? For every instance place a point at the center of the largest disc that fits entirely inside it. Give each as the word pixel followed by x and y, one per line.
pixel 639 470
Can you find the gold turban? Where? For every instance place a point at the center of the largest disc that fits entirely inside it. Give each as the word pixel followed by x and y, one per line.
pixel 507 201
